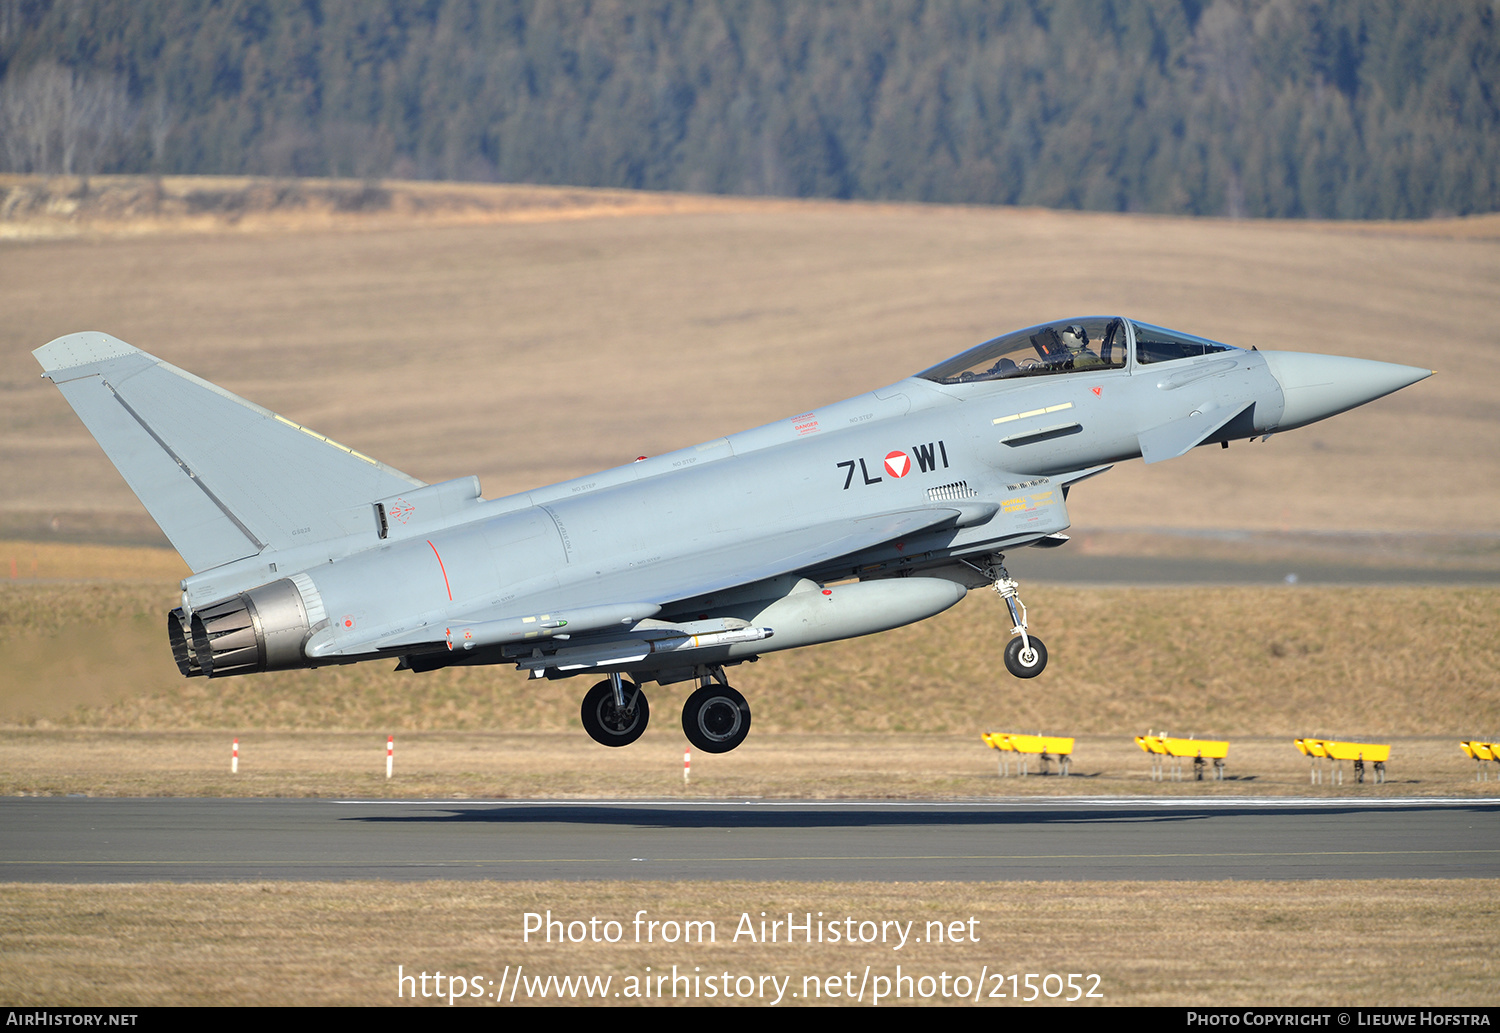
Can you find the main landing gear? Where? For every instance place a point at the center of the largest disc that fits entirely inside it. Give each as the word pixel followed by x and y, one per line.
pixel 615 712
pixel 716 718
pixel 1025 656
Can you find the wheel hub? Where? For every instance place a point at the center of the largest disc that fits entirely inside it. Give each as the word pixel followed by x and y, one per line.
pixel 719 718
pixel 615 719
pixel 716 718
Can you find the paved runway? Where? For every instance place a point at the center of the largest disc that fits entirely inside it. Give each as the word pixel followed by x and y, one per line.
pixel 1058 566
pixel 114 840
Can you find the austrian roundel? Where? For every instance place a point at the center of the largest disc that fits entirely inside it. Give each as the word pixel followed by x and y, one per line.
pixel 898 464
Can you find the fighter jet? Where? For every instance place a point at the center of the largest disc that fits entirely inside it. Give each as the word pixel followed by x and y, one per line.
pixel 854 518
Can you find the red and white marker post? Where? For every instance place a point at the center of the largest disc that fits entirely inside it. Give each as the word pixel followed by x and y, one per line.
pixel 687 765
pixel 390 754
pixel 234 759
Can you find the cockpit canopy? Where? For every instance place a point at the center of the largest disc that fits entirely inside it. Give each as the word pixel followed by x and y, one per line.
pixel 1093 343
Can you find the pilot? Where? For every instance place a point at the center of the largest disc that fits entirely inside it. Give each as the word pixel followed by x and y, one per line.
pixel 1076 339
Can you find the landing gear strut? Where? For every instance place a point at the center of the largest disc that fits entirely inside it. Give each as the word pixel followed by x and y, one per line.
pixel 1026 656
pixel 715 718
pixel 615 712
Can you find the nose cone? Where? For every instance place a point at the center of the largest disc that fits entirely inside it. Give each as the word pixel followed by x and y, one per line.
pixel 1319 386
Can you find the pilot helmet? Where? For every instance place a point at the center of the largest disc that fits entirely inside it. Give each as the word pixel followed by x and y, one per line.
pixel 1074 337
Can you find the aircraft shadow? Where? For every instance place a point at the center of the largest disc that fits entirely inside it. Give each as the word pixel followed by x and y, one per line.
pixel 782 817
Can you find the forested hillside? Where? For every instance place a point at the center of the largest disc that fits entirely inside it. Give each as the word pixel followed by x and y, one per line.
pixel 1359 109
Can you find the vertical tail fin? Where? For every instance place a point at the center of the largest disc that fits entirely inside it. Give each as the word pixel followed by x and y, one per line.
pixel 222 477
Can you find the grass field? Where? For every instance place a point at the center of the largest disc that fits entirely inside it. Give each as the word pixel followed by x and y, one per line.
pixel 1207 943
pixel 536 334
pixel 785 765
pixel 90 701
pixel 531 334
pixel 1211 662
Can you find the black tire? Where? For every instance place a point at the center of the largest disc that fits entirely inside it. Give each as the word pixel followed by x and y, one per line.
pixel 606 723
pixel 716 719
pixel 1023 665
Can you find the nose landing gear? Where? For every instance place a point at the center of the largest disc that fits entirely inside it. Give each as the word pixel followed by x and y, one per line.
pixel 1025 656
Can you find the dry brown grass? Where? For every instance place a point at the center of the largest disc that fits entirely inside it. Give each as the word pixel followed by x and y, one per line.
pixel 562 765
pixel 529 335
pixel 896 714
pixel 77 561
pixel 36 208
pixel 529 351
pixel 1242 661
pixel 1232 943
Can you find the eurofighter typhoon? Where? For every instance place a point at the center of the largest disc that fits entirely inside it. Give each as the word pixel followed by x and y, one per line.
pixel 858 517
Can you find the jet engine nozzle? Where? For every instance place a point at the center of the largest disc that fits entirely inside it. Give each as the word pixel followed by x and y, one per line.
pixel 181 637
pixel 1318 386
pixel 263 629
